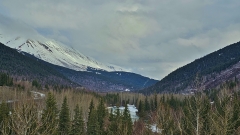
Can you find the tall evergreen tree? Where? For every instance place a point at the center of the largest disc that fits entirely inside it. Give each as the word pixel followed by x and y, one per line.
pixel 64 119
pixel 155 102
pixel 127 121
pixel 115 126
pixel 78 127
pixel 49 116
pixel 93 127
pixel 152 105
pixel 141 109
pixel 146 105
pixel 91 107
pixel 101 113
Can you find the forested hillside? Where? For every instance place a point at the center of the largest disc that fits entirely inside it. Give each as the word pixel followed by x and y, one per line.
pixel 78 112
pixel 101 80
pixel 217 68
pixel 25 68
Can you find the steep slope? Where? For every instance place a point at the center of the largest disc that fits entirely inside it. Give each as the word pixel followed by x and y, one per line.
pixel 63 60
pixel 207 72
pixel 24 38
pixel 54 52
pixel 24 68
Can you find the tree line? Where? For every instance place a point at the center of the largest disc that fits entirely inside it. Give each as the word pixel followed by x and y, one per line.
pixel 69 112
pixel 5 79
pixel 27 118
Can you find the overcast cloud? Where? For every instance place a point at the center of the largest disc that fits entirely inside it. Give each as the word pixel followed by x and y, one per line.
pixel 150 37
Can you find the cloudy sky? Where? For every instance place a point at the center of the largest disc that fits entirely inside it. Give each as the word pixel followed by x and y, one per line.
pixel 150 37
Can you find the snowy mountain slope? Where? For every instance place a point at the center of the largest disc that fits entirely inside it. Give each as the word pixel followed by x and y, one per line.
pixel 22 37
pixel 54 52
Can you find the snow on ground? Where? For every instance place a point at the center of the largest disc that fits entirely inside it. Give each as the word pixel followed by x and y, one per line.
pixel 155 129
pixel 133 113
pixel 132 109
pixel 37 95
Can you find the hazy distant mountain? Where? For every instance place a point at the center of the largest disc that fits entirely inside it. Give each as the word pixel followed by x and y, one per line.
pixel 207 72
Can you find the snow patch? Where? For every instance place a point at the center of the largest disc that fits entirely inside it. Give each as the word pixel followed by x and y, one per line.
pixel 132 109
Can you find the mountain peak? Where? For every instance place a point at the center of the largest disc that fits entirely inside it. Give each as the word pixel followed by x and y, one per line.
pixel 55 52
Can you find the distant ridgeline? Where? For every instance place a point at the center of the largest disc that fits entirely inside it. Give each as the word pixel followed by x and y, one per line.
pixel 207 72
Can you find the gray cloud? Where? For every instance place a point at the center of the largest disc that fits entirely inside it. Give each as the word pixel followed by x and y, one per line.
pixel 151 37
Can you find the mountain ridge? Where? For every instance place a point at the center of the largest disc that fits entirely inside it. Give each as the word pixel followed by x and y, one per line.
pixel 23 37
pixel 207 72
pixel 55 52
pixel 67 61
pixel 24 66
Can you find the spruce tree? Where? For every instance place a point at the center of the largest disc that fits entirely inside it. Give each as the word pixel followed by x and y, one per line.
pixel 64 119
pixel 152 105
pixel 78 127
pixel 93 127
pixel 49 116
pixel 101 113
pixel 141 109
pixel 146 105
pixel 112 126
pixel 127 121
pixel 116 122
pixel 91 107
pixel 155 102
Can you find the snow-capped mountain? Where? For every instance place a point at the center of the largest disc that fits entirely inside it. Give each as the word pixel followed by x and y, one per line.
pixel 54 52
pixel 55 63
